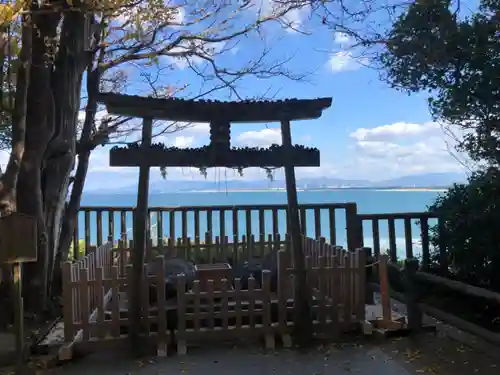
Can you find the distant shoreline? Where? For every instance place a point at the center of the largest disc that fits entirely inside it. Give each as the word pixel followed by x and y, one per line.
pixel 283 190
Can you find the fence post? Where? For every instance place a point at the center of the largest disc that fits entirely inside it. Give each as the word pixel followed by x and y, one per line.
pixel 443 254
pixel 354 227
pixel 369 264
pixel 412 295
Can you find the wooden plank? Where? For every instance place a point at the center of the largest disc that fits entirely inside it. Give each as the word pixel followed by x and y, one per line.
pixel 408 238
pixel 203 111
pixel 317 223
pixel 87 231
pixel 140 229
pixel 18 238
pixel 392 241
pixel 424 237
pixel 376 238
pixel 415 215
pixel 76 239
pixel 111 225
pixel 384 289
pixel 99 227
pixel 123 225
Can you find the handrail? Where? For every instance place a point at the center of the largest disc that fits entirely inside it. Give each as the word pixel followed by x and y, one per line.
pixel 459 286
pixel 241 207
pixel 455 285
pixel 399 215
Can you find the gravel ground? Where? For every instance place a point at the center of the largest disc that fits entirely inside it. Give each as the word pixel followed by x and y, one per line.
pixel 248 361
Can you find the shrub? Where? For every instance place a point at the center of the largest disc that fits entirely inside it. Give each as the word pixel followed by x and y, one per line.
pixel 471 214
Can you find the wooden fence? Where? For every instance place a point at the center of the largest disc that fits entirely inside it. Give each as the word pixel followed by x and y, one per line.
pixel 190 227
pixel 204 223
pixel 423 220
pixel 81 304
pixel 336 279
pixel 220 250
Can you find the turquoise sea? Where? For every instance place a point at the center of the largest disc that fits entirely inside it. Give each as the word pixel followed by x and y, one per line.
pixel 368 201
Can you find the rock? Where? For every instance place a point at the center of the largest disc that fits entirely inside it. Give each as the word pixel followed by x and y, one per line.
pixel 255 266
pixel 271 263
pixel 173 268
pixel 252 267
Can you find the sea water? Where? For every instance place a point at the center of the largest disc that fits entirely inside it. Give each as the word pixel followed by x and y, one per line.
pixel 367 200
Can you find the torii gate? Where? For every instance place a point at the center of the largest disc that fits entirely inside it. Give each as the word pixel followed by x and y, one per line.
pixel 219 153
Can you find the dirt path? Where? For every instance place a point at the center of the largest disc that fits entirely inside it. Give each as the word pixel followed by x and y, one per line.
pixel 440 355
pixel 429 354
pixel 247 361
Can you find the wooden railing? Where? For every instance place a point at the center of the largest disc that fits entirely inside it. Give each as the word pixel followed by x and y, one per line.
pixel 167 224
pixel 414 280
pixel 407 221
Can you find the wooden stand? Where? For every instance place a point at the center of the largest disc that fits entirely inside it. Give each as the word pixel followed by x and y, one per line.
pixel 215 272
pixel 388 325
pixel 18 245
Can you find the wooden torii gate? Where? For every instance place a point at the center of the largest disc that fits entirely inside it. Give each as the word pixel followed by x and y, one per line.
pixel 219 153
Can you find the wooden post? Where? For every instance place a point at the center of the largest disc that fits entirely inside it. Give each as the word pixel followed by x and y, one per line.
pixel 412 295
pixel 18 314
pixel 385 297
pixel 302 319
pixel 18 245
pixel 369 275
pixel 443 254
pixel 140 229
pixel 354 228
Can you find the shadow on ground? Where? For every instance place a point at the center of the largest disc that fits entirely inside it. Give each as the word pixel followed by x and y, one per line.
pixel 429 354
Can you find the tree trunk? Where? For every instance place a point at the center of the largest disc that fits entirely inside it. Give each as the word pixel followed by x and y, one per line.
pixel 71 63
pixel 8 181
pixel 39 130
pixel 60 156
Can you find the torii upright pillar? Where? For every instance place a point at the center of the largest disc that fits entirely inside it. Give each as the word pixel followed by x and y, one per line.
pixel 140 227
pixel 302 319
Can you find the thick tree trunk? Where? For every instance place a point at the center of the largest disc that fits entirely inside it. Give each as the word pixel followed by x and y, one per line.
pixel 8 181
pixel 39 130
pixel 60 156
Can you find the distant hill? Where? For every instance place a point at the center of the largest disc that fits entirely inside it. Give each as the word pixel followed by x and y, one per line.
pixel 420 180
pixel 425 180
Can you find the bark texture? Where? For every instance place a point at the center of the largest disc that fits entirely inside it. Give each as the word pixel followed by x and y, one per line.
pixel 37 179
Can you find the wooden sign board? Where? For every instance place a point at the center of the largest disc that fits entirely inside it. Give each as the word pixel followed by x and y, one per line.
pixel 18 238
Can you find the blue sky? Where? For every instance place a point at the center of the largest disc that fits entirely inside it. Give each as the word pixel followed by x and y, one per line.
pixel 371 131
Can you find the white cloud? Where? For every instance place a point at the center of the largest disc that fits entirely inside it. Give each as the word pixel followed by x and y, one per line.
pixel 183 142
pixel 343 58
pixel 375 153
pixel 260 138
pixel 396 131
pixel 342 38
pixel 294 12
pixel 185 49
pixel 397 149
pixel 345 61
pixel 4 159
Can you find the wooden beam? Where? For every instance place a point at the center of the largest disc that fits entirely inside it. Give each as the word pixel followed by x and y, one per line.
pixel 207 111
pixel 302 319
pixel 125 157
pixel 140 227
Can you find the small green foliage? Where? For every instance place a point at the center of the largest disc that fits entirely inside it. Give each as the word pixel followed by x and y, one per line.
pixel 81 250
pixel 471 216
